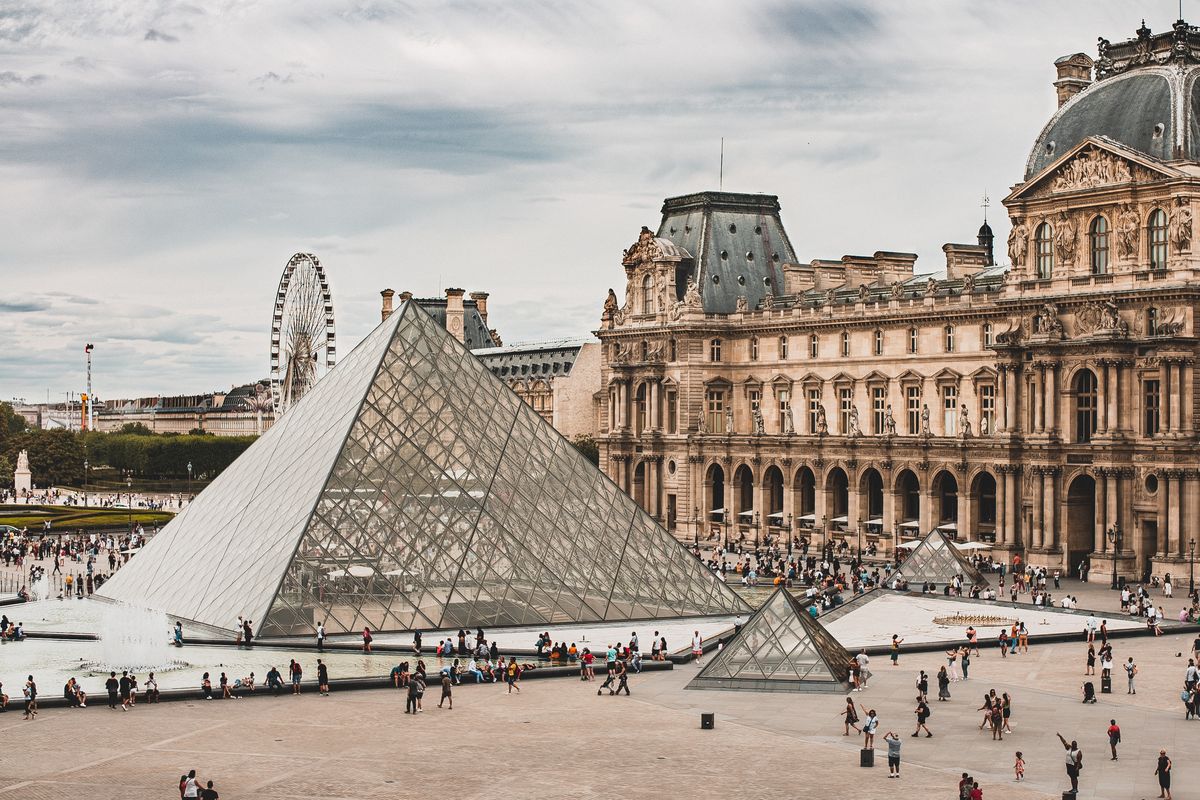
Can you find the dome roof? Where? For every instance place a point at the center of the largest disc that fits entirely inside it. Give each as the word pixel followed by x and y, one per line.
pixel 1145 97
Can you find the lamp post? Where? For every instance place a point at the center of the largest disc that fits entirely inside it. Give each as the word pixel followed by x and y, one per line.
pixel 189 469
pixel 1192 565
pixel 1114 538
pixel 85 476
pixel 129 488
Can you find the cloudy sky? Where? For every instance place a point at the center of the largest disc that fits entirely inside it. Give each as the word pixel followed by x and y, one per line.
pixel 160 161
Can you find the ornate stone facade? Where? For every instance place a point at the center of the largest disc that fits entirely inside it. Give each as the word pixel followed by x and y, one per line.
pixel 1041 405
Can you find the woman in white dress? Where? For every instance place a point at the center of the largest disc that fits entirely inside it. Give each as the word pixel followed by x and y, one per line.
pixel 697 646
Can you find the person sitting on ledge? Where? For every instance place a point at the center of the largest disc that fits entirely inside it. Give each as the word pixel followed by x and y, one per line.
pixel 476 671
pixel 573 653
pixel 75 697
pixel 274 680
pixel 206 687
pixel 399 675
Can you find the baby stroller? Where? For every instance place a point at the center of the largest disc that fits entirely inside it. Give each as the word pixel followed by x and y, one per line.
pixel 1089 692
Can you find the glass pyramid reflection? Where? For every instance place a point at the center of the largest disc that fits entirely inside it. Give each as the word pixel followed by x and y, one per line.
pixel 936 560
pixel 781 648
pixel 412 489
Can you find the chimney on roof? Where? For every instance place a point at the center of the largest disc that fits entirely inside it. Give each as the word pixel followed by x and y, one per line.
pixel 455 313
pixel 405 297
pixel 480 299
pixel 386 312
pixel 1074 75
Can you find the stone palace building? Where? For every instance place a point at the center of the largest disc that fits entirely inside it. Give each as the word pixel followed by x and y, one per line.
pixel 1046 406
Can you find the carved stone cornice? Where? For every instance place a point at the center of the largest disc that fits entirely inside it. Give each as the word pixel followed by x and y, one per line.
pixel 695 458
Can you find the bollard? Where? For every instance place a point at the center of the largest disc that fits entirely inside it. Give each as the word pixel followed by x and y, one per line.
pixel 866 758
pixel 708 721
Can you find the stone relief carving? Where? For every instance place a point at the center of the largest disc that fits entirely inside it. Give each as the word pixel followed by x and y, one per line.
pixel 644 251
pixel 1047 321
pixel 757 417
pixel 925 419
pixel 889 422
pixel 854 431
pixel 1018 242
pixel 1099 318
pixel 729 420
pixel 1128 230
pixel 1180 226
pixel 822 422
pixel 742 305
pixel 1066 233
pixel 964 423
pixel 1092 167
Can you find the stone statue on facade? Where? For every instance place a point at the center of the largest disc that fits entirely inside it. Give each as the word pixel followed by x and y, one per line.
pixel 925 419
pixel 729 420
pixel 822 423
pixel 889 422
pixel 702 422
pixel 1128 230
pixel 1110 319
pixel 897 290
pixel 1065 237
pixel 742 306
pixel 969 283
pixel 757 417
pixel 768 301
pixel 931 287
pixel 964 423
pixel 852 418
pixel 1047 321
pixel 610 302
pixel 691 296
pixel 983 426
pixel 788 426
pixel 1018 242
pixel 863 293
pixel 1181 226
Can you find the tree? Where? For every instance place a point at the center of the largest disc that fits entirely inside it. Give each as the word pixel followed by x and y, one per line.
pixel 11 424
pixel 55 457
pixel 6 472
pixel 587 446
pixel 136 427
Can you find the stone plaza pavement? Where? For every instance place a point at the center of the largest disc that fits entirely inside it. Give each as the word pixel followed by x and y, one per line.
pixel 558 739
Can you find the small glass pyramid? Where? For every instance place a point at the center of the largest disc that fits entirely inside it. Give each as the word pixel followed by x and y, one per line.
pixel 936 560
pixel 412 489
pixel 779 649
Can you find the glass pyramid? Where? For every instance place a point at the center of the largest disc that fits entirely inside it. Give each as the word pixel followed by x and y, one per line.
pixel 781 648
pixel 412 489
pixel 936 560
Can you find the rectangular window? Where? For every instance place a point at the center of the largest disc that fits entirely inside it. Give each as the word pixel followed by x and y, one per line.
pixel 845 403
pixel 716 411
pixel 813 346
pixel 987 408
pixel 714 350
pixel 783 348
pixel 754 348
pixel 950 410
pixel 672 412
pixel 755 399
pixel 878 402
pixel 878 343
pixel 1151 405
pixel 845 345
pixel 912 340
pixel 672 512
pixel 987 334
pixel 785 398
pixel 814 409
pixel 912 407
pixel 949 331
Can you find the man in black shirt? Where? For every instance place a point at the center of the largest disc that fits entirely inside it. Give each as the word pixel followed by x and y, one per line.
pixel 124 685
pixel 112 685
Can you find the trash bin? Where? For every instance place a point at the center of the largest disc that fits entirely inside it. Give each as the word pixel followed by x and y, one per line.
pixel 866 757
pixel 708 721
pixel 1105 684
pixel 1120 582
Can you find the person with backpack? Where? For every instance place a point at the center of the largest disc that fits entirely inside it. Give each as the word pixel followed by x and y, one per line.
pixel 513 676
pixel 1131 671
pixel 922 711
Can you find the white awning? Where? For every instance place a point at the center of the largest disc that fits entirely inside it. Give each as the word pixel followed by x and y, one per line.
pixel 355 570
pixel 776 515
pixel 839 519
pixel 717 511
pixel 875 521
pixel 910 545
pixel 973 546
pixel 808 517
pixel 947 526
pixel 912 523
pixel 749 513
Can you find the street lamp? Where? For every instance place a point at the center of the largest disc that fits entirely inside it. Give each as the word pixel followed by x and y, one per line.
pixel 129 487
pixel 1114 538
pixel 85 472
pixel 1192 565
pixel 189 469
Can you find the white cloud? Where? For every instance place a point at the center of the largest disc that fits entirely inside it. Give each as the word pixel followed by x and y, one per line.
pixel 163 161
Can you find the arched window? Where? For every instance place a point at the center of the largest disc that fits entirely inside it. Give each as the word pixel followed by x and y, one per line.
pixel 1044 244
pixel 754 348
pixel 845 344
pixel 878 343
pixel 912 340
pixel 648 295
pixel 987 334
pixel 1158 239
pixel 948 338
pixel 1098 239
pixel 1085 405
pixel 714 350
pixel 783 348
pixel 814 346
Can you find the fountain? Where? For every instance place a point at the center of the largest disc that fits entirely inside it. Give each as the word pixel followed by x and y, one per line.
pixel 41 588
pixel 136 639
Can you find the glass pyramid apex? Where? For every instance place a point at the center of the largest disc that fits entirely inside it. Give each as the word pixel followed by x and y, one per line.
pixel 411 488
pixel 780 648
pixel 936 560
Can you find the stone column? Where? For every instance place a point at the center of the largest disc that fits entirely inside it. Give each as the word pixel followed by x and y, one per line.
pixel 1050 535
pixel 1187 389
pixel 1113 423
pixel 652 464
pixel 1103 487
pixel 1002 504
pixel 966 522
pixel 1191 504
pixel 1166 404
pixel 889 506
pixel 789 501
pixel 1163 526
pixel 1103 394
pixel 852 503
pixel 1002 402
pixel 1176 372
pixel 731 520
pixel 1035 398
pixel 1012 407
pixel 1012 507
pixel 1052 399
pixel 1039 497
pixel 1175 508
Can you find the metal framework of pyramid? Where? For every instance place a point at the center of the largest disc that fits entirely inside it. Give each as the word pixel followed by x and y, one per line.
pixel 411 489
pixel 936 560
pixel 779 649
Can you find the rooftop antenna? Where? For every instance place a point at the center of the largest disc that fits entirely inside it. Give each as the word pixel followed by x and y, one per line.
pixel 721 178
pixel 986 202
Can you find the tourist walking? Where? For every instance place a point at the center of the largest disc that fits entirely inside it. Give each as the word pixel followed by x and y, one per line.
pixel 112 686
pixel 1163 771
pixel 943 679
pixel 1073 759
pixel 952 663
pixel 322 678
pixel 1019 767
pixel 896 642
pixel 1006 710
pixel 320 637
pixel 410 700
pixel 446 693
pixel 1114 737
pixel 893 745
pixel 125 689
pixel 513 676
pixel 850 716
pixel 923 685
pixel 965 658
pixel 297 673
pixel 1090 669
pixel 1131 671
pixel 367 639
pixel 697 647
pixel 922 712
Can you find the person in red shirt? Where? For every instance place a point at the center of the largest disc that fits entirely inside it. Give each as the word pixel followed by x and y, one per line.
pixel 976 792
pixel 1114 737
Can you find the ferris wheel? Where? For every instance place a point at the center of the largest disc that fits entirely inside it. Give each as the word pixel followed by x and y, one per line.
pixel 302 332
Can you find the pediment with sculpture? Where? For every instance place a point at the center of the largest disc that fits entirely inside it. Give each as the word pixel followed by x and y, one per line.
pixel 1092 164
